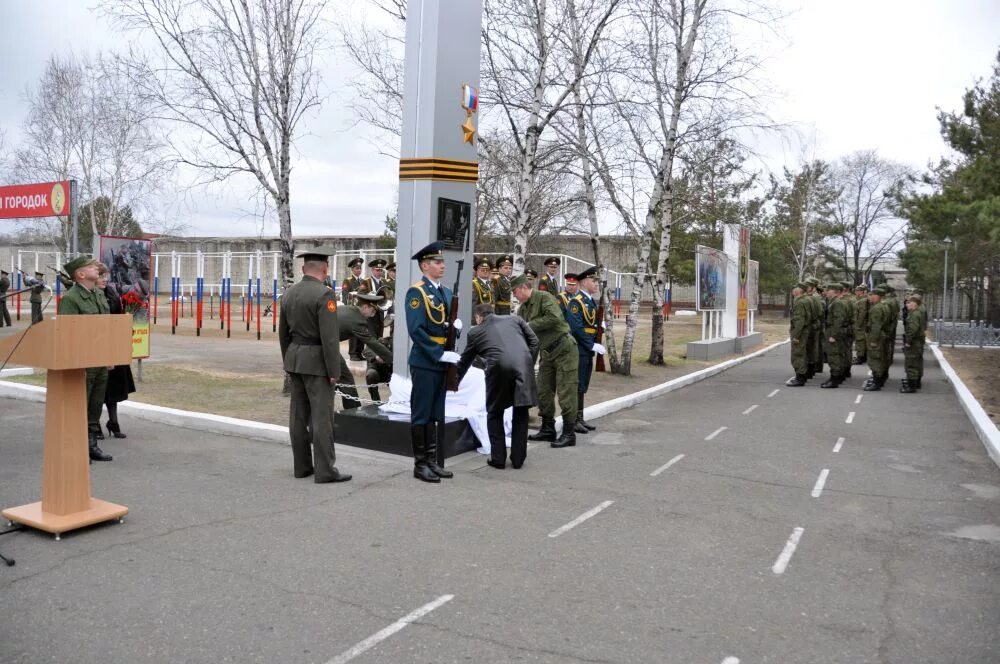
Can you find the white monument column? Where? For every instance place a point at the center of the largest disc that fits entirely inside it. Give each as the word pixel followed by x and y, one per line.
pixel 731 247
pixel 439 165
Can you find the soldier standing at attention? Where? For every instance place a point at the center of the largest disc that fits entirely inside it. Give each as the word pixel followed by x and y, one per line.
pixel 879 319
pixel 85 299
pixel 550 280
pixel 571 292
pixel 427 304
pixel 892 304
pixel 585 333
pixel 847 296
pixel 861 324
pixel 914 333
pixel 36 299
pixel 799 331
pixel 501 285
pixel 834 334
pixel 309 336
pixel 352 285
pixel 482 287
pixel 558 366
pixel 532 278
pixel 390 276
pixel 375 285
pixel 4 287
pixel 815 327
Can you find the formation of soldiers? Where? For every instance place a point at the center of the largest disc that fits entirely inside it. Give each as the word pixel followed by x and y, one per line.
pixel 830 326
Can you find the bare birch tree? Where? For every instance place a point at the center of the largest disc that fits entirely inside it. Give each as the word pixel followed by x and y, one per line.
pixel 238 76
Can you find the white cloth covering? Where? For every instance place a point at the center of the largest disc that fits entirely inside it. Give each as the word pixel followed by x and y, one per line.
pixel 469 403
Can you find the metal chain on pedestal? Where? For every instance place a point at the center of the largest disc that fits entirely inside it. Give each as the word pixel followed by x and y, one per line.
pixel 361 400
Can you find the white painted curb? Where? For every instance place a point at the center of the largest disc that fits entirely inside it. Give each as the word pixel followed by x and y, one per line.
pixel 981 422
pixel 20 371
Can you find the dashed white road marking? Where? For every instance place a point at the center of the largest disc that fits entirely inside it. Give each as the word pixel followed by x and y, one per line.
pixel 850 417
pixel 384 634
pixel 666 465
pixel 858 399
pixel 580 519
pixel 786 554
pixel 818 488
pixel 840 441
pixel 715 433
pixel 731 660
pixel 772 393
pixel 750 409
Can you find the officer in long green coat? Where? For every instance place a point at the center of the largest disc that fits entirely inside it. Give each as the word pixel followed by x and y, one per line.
pixel 558 368
pixel 835 326
pixel 309 335
pixel 354 322
pixel 815 344
pixel 4 287
pixel 799 333
pixel 86 299
pixel 914 334
pixel 879 320
pixel 861 306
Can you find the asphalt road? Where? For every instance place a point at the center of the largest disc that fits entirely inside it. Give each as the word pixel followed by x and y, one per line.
pixel 791 535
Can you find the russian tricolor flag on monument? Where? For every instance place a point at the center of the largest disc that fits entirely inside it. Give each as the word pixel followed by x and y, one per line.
pixel 470 98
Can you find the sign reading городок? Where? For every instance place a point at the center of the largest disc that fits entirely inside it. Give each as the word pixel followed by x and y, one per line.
pixel 45 199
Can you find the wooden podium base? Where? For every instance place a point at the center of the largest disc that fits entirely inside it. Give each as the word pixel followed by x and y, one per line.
pixel 32 515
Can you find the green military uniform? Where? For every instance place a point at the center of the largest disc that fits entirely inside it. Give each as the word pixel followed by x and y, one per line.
pixel 352 285
pixel 81 301
pixel 548 283
pixel 861 307
pixel 799 332
pixel 848 343
pixel 835 326
pixel 815 343
pixel 558 366
pixel 482 291
pixel 877 334
pixel 914 334
pixel 892 304
pixel 36 300
pixel 4 287
pixel 309 335
pixel 356 328
pixel 501 287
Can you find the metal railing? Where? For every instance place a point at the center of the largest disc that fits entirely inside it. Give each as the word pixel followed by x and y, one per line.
pixel 972 333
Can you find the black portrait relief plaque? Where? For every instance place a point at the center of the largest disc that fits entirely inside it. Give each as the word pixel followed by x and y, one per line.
pixel 452 222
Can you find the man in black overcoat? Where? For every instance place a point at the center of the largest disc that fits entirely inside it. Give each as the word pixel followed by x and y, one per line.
pixel 508 349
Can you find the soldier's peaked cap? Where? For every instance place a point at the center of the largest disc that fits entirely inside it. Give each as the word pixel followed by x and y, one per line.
pixel 879 290
pixel 834 285
pixel 571 278
pixel 504 260
pixel 354 262
pixel 590 272
pixel 551 260
pixel 531 273
pixel 369 298
pixel 433 251
pixel 321 253
pixel 811 281
pixel 801 285
pixel 378 262
pixel 391 266
pixel 483 261
pixel 4 272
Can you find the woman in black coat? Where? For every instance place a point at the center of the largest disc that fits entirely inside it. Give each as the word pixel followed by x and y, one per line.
pixel 120 382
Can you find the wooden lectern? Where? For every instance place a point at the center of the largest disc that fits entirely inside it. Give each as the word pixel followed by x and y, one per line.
pixel 66 346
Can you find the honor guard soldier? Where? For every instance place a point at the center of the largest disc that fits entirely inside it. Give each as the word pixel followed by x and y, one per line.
pixel 799 331
pixel 85 299
pixel 582 318
pixel 309 335
pixel 914 333
pixel 427 305
pixel 482 287
pixel 352 285
pixel 36 298
pixel 501 285
pixel 4 287
pixel 550 280
pixel 877 334
pixel 355 327
pixel 861 306
pixel 835 326
pixel 558 362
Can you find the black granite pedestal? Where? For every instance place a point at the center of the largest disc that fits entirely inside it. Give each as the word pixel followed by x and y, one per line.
pixel 371 429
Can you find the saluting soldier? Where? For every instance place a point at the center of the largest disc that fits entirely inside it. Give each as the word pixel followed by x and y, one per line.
pixel 877 334
pixel 799 329
pixel 4 287
pixel 834 334
pixel 550 280
pixel 482 287
pixel 309 336
pixel 427 305
pixel 558 368
pixel 583 314
pixel 914 334
pixel 861 306
pixel 355 327
pixel 501 285
pixel 36 298
pixel 350 286
pixel 86 299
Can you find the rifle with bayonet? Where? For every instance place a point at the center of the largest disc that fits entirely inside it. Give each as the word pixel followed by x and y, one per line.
pixel 451 377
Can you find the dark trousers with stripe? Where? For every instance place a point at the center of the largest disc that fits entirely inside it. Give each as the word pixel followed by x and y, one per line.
pixel 426 396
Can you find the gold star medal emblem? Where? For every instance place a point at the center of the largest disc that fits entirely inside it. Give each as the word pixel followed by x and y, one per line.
pixel 469 129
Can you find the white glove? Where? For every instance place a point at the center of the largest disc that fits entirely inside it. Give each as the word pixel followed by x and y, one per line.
pixel 599 348
pixel 390 318
pixel 604 325
pixel 458 324
pixel 450 357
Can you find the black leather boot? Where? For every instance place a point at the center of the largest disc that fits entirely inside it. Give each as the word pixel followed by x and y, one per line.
pixel 418 439
pixel 798 380
pixel 435 433
pixel 96 453
pixel 579 415
pixel 832 381
pixel 874 385
pixel 547 432
pixel 115 430
pixel 906 387
pixel 916 383
pixel 568 436
pixel 860 359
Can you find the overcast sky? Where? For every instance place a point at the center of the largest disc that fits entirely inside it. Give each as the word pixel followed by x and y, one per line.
pixel 855 74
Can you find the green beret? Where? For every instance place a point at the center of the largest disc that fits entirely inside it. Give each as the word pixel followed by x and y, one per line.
pixel 519 280
pixel 77 263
